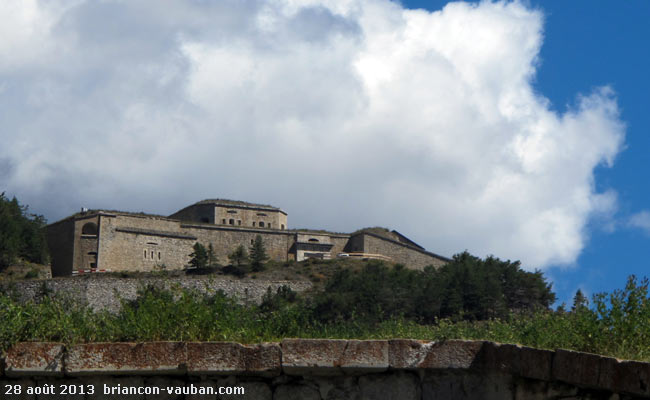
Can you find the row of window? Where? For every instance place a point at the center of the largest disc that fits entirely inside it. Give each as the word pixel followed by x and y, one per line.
pixel 151 255
pixel 261 224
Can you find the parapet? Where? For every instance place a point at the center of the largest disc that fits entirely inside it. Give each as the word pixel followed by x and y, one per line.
pixel 322 368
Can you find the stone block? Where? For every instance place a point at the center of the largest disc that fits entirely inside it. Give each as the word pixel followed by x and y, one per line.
pixel 628 377
pixel 399 385
pixel 312 357
pixel 167 358
pixel 450 354
pixel 264 359
pixel 215 358
pixel 525 362
pixel 365 356
pixel 581 369
pixel 34 359
pixel 406 353
pixel 296 392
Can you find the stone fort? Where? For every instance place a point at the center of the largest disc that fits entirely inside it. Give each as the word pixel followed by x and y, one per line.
pixel 102 240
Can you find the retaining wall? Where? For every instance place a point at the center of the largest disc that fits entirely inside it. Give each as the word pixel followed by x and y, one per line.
pixel 397 369
pixel 104 292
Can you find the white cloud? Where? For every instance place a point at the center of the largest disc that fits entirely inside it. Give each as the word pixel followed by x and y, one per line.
pixel 345 113
pixel 640 220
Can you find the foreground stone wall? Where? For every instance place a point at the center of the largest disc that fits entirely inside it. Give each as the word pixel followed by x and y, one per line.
pixel 397 369
pixel 104 292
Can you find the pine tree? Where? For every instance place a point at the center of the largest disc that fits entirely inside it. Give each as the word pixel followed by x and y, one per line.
pixel 258 254
pixel 239 256
pixel 579 301
pixel 199 256
pixel 212 258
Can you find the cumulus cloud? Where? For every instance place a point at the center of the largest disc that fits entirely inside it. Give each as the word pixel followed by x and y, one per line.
pixel 344 113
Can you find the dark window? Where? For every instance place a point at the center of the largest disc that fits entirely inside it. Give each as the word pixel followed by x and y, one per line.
pixel 261 215
pixel 159 255
pixel 152 254
pixel 313 240
pixel 232 221
pixel 89 228
pixel 282 226
pixel 145 254
pixel 261 224
pixel 252 241
pixel 269 225
pixel 239 222
pixel 232 212
pixel 224 221
pixel 253 223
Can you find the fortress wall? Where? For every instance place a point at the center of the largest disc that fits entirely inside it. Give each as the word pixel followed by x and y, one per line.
pixel 142 222
pixel 322 369
pixel 126 251
pixel 103 292
pixel 410 257
pixel 84 244
pixel 339 243
pixel 225 240
pixel 123 250
pixel 248 216
pixel 60 239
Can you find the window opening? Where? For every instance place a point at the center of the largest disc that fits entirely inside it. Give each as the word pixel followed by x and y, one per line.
pixel 232 221
pixel 89 228
pixel 261 224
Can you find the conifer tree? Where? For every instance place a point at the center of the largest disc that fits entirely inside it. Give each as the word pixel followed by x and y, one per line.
pixel 199 256
pixel 258 254
pixel 239 256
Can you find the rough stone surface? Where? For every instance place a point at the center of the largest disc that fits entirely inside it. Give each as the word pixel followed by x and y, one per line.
pixel 580 369
pixel 215 358
pixel 296 392
pixel 365 356
pixel 466 386
pixel 628 377
pixel 317 357
pixel 396 386
pixel 263 359
pixel 126 358
pixel 326 370
pixel 34 359
pixel 512 359
pixel 102 292
pixel 450 354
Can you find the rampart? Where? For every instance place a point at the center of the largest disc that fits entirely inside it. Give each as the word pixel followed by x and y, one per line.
pixel 324 369
pixel 104 292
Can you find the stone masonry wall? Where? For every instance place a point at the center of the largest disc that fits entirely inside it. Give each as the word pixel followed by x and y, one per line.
pixel 321 369
pixel 409 256
pixel 103 292
pixel 225 240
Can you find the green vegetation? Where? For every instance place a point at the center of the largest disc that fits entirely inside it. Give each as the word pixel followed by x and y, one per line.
pixel 467 288
pixel 617 324
pixel 22 235
pixel 258 254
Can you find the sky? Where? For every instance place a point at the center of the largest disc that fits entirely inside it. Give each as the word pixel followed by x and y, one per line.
pixel 515 129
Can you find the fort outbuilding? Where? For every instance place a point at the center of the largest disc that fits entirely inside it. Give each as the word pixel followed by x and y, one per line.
pixel 101 240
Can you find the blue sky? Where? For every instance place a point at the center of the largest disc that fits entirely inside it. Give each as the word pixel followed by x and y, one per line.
pixel 516 129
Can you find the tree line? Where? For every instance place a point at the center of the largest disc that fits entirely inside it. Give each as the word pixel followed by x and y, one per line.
pixel 22 234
